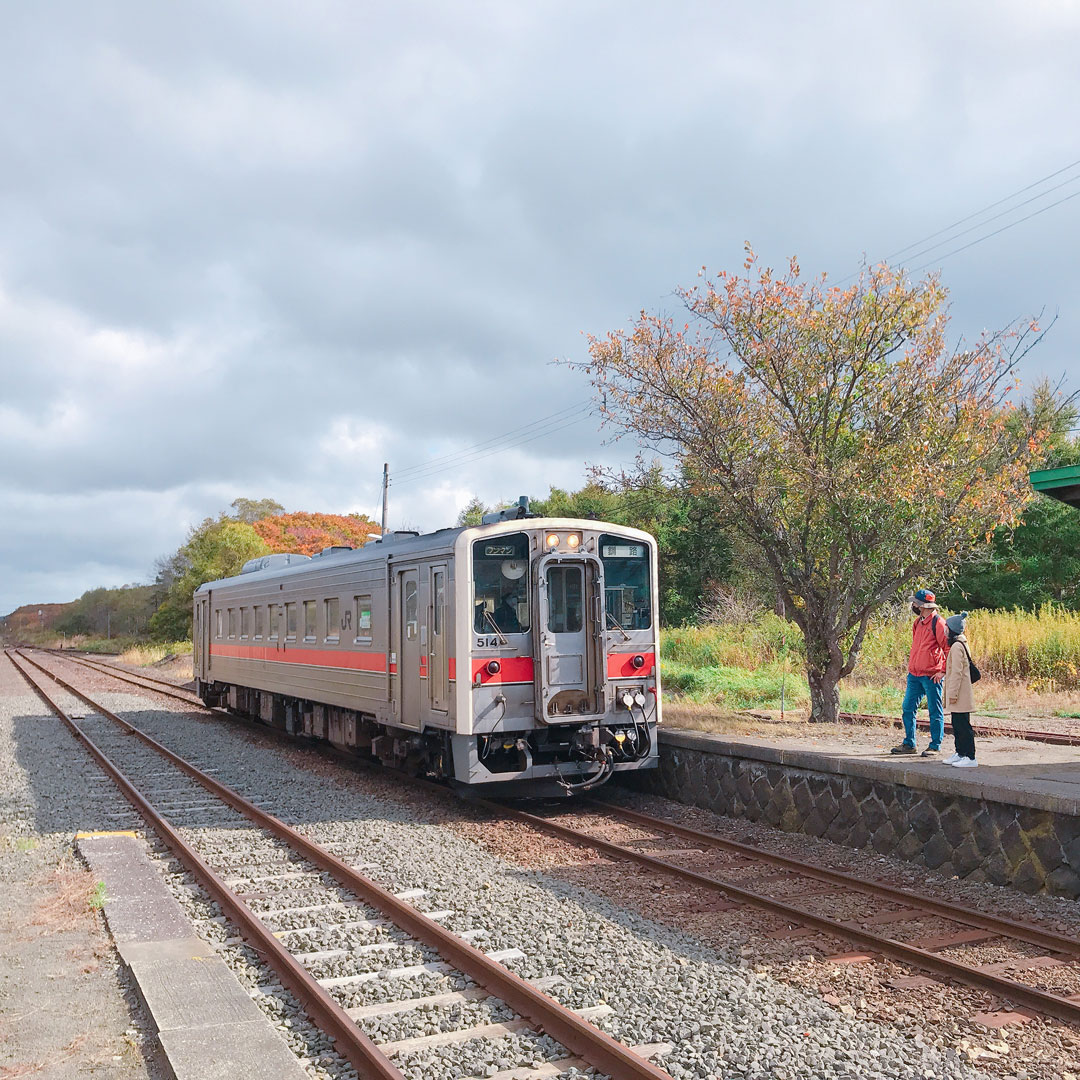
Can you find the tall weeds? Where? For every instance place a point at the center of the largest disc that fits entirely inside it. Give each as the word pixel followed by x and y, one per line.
pixel 1040 648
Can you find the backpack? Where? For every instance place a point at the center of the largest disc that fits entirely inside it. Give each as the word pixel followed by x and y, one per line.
pixel 975 673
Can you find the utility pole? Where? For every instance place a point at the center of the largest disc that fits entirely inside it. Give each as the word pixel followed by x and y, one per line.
pixel 385 492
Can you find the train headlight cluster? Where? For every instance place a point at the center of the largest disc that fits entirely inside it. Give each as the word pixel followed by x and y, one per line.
pixel 571 540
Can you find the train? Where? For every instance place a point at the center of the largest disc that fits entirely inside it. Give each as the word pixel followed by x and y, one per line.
pixel 516 658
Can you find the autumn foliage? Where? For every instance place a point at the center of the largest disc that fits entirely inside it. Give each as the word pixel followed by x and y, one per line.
pixel 855 452
pixel 220 546
pixel 309 533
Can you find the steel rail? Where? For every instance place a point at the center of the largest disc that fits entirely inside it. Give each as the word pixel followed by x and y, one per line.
pixel 349 1038
pixel 576 1034
pixel 1039 1000
pixel 174 691
pixel 1033 935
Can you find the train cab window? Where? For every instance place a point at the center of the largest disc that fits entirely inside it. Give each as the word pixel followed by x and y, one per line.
pixel 309 620
pixel 501 585
pixel 256 622
pixel 565 586
pixel 274 619
pixel 362 619
pixel 245 622
pixel 232 622
pixel 290 622
pixel 219 626
pixel 627 596
pixel 333 618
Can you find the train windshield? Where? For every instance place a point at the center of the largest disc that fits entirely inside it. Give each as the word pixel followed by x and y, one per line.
pixel 626 582
pixel 501 585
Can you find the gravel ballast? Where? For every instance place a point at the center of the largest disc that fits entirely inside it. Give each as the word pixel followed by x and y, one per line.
pixel 722 1017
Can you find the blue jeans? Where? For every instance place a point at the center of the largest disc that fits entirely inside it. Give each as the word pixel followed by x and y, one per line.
pixel 919 687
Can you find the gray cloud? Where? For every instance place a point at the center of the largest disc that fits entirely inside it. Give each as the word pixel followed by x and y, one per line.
pixel 259 249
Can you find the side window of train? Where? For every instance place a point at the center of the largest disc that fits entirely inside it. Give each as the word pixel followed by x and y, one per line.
pixel 245 622
pixel 333 619
pixel 219 626
pixel 256 622
pixel 274 613
pixel 232 622
pixel 290 622
pixel 362 618
pixel 412 623
pixel 309 620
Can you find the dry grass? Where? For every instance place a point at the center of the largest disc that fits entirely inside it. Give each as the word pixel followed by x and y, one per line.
pixel 145 655
pixel 68 902
pixel 697 716
pixel 33 1068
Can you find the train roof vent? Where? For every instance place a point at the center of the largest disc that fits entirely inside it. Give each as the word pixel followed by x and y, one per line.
pixel 509 513
pixel 273 562
pixel 393 537
pixel 333 550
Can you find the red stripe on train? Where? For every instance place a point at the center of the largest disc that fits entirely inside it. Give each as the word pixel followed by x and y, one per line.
pixel 512 669
pixel 621 665
pixel 343 658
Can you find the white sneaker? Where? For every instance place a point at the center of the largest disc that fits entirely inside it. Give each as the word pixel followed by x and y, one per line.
pixel 964 763
pixel 953 760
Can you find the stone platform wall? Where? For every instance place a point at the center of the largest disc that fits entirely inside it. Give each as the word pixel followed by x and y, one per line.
pixel 975 838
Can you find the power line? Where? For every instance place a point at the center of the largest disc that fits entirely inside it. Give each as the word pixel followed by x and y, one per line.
pixel 561 426
pixel 996 232
pixel 979 213
pixel 996 217
pixel 513 433
pixel 990 206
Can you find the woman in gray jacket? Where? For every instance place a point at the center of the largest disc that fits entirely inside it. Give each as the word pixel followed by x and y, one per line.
pixel 959 696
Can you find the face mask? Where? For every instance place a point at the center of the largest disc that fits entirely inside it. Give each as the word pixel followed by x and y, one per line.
pixel 916 609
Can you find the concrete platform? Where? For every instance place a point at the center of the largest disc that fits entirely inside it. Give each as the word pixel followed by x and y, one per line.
pixel 207 1023
pixel 1014 820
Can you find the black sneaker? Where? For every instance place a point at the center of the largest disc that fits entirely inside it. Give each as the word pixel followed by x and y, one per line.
pixel 903 748
pixel 932 751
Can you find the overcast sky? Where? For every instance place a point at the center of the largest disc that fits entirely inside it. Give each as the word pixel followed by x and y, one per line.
pixel 259 248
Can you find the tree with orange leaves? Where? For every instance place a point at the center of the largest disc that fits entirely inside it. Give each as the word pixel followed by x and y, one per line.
pixel 855 452
pixel 308 533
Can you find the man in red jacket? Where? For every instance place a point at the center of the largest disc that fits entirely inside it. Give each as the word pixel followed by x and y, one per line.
pixel 926 669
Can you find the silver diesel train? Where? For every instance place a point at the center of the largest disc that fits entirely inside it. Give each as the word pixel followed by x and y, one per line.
pixel 518 657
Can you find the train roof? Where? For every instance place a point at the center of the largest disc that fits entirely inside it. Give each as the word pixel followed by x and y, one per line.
pixel 410 543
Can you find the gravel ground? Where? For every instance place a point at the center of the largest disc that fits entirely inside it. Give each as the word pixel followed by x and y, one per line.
pixel 68 1006
pixel 724 1013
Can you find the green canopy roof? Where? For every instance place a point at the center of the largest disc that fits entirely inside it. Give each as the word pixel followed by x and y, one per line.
pixel 1063 484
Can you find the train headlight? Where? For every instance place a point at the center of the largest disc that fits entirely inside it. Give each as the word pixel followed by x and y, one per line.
pixel 573 540
pixel 493 667
pixel 552 540
pixel 637 662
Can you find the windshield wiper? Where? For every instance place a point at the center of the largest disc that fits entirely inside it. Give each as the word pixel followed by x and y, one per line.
pixel 495 626
pixel 616 625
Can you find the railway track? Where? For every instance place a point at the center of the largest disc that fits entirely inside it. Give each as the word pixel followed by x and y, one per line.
pixel 328 931
pixel 880 919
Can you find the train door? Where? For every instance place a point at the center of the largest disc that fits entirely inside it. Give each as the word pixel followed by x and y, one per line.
pixel 567 654
pixel 438 634
pixel 409 651
pixel 201 637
